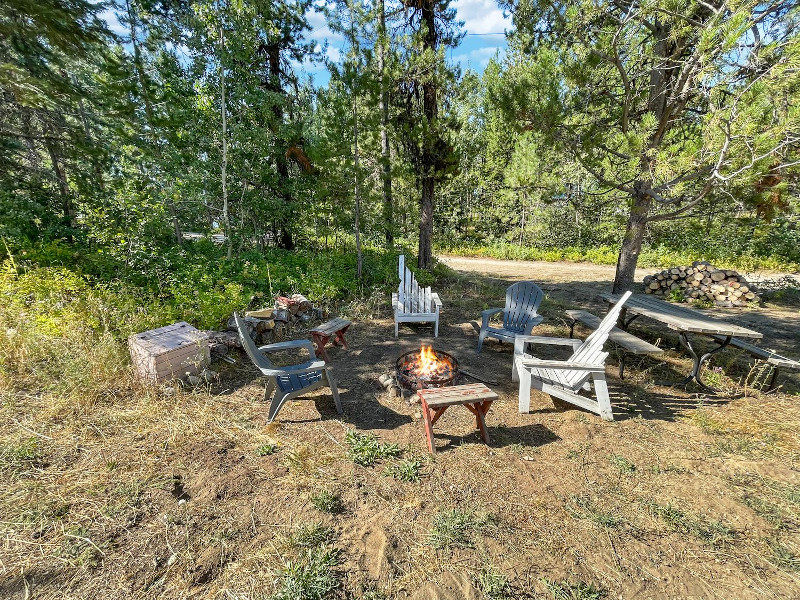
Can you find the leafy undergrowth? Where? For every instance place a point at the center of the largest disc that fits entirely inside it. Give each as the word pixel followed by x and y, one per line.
pixel 608 255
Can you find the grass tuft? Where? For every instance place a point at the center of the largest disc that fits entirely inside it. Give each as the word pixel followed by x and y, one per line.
pixel 266 449
pixel 711 532
pixel 326 501
pixel 582 507
pixel 573 591
pixel 309 577
pixel 407 470
pixel 456 528
pixel 493 584
pixel 365 448
pixel 625 466
pixel 311 535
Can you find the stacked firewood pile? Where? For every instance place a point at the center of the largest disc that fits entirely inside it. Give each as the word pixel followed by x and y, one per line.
pixel 265 325
pixel 702 281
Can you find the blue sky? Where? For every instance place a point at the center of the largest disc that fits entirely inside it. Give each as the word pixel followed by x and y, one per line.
pixel 484 24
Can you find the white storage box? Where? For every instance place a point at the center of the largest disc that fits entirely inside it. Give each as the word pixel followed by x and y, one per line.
pixel 169 352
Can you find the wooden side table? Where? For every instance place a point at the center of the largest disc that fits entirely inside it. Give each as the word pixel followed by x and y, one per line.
pixel 334 328
pixel 476 397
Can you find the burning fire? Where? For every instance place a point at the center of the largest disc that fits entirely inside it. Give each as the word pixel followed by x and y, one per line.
pixel 428 364
pixel 426 368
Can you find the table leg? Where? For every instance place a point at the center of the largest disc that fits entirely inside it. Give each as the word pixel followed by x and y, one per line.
pixel 479 409
pixel 698 362
pixel 426 415
pixel 340 337
pixel 437 413
pixel 320 341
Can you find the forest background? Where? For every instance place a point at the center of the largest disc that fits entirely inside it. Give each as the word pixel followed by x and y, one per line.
pixel 184 163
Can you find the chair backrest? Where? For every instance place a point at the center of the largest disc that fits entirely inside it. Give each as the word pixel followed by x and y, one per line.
pixel 413 298
pixel 258 358
pixel 591 350
pixel 522 305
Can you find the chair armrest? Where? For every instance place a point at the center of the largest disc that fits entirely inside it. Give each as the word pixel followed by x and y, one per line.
pixel 521 340
pixel 436 300
pixel 533 323
pixel 486 315
pixel 290 345
pixel 315 366
pixel 557 364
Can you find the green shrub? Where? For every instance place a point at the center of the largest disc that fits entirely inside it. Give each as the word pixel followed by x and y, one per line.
pixel 407 470
pixel 456 528
pixel 365 448
pixel 328 502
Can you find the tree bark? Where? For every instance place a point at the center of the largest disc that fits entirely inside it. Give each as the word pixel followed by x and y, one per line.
pixel 383 106
pixel 428 175
pixel 224 109
pixel 359 259
pixel 632 242
pixel 273 84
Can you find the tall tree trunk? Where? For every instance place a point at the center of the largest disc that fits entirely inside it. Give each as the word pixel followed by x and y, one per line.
pixel 273 84
pixel 383 106
pixel 632 243
pixel 60 174
pixel 224 109
pixel 430 110
pixel 150 114
pixel 360 258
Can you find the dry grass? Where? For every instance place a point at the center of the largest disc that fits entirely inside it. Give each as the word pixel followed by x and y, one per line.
pixel 118 490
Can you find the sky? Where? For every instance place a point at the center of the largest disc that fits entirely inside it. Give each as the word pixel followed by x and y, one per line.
pixel 484 24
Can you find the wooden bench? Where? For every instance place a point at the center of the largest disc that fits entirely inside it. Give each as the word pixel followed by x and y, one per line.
pixel 628 342
pixel 334 328
pixel 476 397
pixel 772 358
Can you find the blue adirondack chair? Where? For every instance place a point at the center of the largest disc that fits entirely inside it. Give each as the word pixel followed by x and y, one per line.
pixel 520 314
pixel 287 383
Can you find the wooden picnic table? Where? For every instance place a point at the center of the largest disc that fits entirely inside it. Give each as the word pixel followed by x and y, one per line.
pixel 686 322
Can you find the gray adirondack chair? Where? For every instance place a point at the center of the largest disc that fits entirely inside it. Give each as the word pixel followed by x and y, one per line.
pixel 413 304
pixel 565 378
pixel 520 314
pixel 289 382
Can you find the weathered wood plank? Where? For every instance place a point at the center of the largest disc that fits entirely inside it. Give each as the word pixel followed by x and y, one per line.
pixel 626 340
pixel 681 318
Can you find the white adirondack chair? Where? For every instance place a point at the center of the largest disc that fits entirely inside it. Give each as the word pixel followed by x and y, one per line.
pixel 413 304
pixel 292 381
pixel 520 314
pixel 564 379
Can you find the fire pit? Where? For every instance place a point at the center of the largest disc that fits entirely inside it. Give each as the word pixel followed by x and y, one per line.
pixel 426 368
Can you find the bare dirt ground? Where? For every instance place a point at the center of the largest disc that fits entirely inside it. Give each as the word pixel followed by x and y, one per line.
pixel 172 495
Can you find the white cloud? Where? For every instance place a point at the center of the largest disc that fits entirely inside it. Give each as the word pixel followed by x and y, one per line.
pixel 478 58
pixel 481 16
pixel 110 17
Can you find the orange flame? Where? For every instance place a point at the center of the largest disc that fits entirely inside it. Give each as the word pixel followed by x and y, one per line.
pixel 428 363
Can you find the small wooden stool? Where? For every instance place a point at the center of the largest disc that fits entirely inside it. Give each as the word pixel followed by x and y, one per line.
pixel 476 397
pixel 321 335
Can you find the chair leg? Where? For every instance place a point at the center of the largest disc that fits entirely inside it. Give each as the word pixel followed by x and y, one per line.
pixel 514 371
pixel 334 390
pixel 436 326
pixel 276 406
pixel 396 326
pixel 481 337
pixel 269 387
pixel 603 399
pixel 524 391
